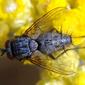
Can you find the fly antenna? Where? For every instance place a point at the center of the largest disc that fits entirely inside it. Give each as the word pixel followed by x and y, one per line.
pixel 2 50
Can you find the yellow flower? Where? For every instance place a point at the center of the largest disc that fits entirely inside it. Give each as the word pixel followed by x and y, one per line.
pixel 77 3
pixel 15 12
pixel 38 8
pixel 56 3
pixel 4 30
pixel 80 77
pixel 50 82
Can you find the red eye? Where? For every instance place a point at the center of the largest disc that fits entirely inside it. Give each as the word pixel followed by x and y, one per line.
pixel 9 49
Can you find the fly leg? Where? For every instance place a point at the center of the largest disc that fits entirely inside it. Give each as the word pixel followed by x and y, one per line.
pixel 65 52
pixel 54 58
pixel 59 55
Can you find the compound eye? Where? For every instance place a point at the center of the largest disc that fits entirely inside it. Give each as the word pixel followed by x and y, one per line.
pixel 8 49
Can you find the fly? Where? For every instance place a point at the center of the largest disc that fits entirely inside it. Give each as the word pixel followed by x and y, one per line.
pixel 39 41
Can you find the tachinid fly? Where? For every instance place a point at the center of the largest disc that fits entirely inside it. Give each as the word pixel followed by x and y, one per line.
pixel 23 46
pixel 39 41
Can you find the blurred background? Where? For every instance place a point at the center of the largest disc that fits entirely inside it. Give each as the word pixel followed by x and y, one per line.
pixel 15 73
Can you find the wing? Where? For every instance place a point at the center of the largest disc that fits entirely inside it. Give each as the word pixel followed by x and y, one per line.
pixel 44 23
pixel 49 64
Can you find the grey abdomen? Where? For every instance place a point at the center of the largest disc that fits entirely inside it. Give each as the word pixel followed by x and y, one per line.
pixel 52 41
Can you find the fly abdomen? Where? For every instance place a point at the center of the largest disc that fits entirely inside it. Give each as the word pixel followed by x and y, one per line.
pixel 53 41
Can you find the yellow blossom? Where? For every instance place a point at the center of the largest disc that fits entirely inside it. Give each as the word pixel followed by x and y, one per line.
pixel 38 8
pixel 57 3
pixel 77 3
pixel 4 31
pixel 50 82
pixel 67 64
pixel 15 12
pixel 80 77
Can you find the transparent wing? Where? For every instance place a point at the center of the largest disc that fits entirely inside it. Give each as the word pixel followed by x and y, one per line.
pixel 46 62
pixel 44 24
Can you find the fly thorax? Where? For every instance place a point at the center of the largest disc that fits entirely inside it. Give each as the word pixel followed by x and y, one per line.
pixel 21 47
